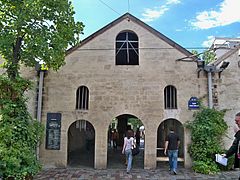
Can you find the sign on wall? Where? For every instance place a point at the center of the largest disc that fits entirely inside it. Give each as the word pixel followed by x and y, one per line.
pixel 53 131
pixel 193 103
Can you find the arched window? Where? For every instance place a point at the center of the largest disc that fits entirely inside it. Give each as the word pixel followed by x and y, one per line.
pixel 82 96
pixel 170 97
pixel 127 48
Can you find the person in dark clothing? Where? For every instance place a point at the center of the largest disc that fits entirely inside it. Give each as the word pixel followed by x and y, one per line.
pixel 236 160
pixel 115 137
pixel 234 147
pixel 171 148
pixel 137 136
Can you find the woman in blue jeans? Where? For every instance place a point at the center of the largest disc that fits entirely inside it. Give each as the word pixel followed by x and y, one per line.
pixel 127 149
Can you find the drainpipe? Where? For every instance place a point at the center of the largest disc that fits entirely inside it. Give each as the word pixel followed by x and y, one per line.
pixel 40 87
pixel 39 104
pixel 210 69
pixel 210 99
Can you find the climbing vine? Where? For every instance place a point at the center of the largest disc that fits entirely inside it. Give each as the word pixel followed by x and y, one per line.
pixel 31 31
pixel 207 130
pixel 19 133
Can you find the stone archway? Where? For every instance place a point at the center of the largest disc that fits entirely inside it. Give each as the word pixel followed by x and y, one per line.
pixel 81 144
pixel 163 131
pixel 120 124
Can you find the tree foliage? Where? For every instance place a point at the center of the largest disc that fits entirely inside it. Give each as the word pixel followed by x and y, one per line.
pixel 135 122
pixel 19 133
pixel 207 56
pixel 207 130
pixel 33 30
pixel 30 31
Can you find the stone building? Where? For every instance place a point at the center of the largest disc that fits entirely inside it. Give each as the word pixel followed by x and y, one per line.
pixel 225 87
pixel 222 45
pixel 126 70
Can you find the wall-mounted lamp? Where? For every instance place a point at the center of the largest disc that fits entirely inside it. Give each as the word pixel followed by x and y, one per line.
pixel 224 65
pixel 200 63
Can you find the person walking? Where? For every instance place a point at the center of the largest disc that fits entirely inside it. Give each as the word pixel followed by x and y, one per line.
pixel 236 160
pixel 115 137
pixel 172 143
pixel 137 137
pixel 234 149
pixel 127 149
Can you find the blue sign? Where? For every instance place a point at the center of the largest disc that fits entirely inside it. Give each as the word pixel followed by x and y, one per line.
pixel 193 103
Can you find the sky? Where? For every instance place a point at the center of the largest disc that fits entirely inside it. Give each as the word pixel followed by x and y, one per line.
pixel 193 24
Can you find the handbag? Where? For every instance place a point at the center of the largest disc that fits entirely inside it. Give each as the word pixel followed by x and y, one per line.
pixel 135 151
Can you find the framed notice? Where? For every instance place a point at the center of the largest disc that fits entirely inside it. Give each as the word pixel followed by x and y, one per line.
pixel 53 131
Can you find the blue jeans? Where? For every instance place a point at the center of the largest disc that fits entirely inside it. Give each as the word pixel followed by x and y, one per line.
pixel 128 154
pixel 173 155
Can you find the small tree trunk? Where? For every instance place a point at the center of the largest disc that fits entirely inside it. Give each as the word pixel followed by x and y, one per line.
pixel 13 66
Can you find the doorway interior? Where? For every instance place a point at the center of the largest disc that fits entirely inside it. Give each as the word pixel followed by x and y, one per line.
pixel 81 144
pixel 116 133
pixel 163 131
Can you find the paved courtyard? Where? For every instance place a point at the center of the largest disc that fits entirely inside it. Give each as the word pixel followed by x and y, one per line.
pixel 81 169
pixel 136 174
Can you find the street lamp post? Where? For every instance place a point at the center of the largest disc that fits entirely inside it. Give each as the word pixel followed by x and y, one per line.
pixel 210 69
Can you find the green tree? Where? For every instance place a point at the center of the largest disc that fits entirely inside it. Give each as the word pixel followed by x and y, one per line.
pixel 208 55
pixel 135 122
pixel 30 31
pixel 33 30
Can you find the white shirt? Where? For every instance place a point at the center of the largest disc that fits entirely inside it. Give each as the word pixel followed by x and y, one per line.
pixel 129 143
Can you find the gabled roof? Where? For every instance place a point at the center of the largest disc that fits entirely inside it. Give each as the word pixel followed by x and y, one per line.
pixel 225 56
pixel 130 17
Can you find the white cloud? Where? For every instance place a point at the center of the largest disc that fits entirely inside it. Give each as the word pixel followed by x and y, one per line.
pixel 208 42
pixel 154 13
pixel 178 30
pixel 227 13
pixel 173 1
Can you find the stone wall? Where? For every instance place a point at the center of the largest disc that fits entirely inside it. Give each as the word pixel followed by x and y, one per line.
pixel 115 90
pixel 228 94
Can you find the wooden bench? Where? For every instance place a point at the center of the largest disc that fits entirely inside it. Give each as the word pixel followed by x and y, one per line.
pixel 166 159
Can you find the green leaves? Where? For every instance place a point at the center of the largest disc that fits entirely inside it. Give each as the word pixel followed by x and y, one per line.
pixel 207 130
pixel 18 161
pixel 47 29
pixel 208 55
pixel 19 133
pixel 30 30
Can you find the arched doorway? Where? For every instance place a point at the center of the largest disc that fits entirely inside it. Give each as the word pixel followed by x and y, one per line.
pixel 163 131
pixel 119 125
pixel 81 144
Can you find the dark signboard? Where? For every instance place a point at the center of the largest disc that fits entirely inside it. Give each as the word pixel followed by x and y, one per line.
pixel 193 103
pixel 53 131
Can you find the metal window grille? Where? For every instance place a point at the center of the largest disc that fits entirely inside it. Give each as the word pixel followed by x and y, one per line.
pixel 127 49
pixel 170 97
pixel 82 100
pixel 81 125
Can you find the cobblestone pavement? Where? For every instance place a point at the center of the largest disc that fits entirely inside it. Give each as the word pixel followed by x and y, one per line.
pixel 136 174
